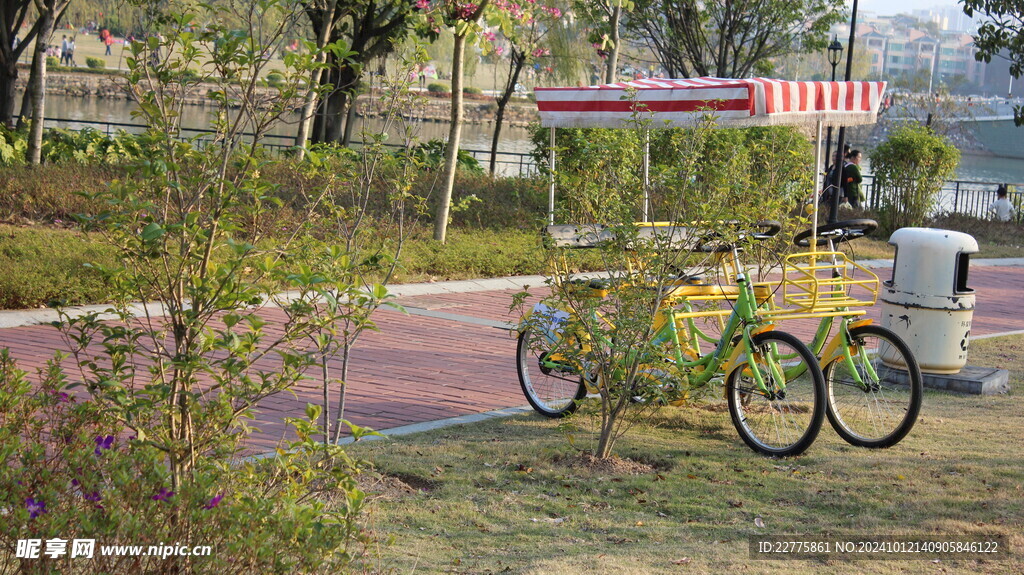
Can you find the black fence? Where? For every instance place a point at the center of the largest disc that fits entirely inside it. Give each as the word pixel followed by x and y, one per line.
pixel 509 164
pixel 956 197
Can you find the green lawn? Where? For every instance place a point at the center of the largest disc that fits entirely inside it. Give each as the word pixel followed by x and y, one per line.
pixel 514 496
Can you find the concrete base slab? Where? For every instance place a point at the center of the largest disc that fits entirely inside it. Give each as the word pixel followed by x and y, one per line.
pixel 971 380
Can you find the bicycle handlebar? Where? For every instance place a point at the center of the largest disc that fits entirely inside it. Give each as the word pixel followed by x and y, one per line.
pixel 837 231
pixel 763 230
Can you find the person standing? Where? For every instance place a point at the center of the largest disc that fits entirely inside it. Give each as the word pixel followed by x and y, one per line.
pixel 852 178
pixel 63 49
pixel 1001 209
pixel 70 52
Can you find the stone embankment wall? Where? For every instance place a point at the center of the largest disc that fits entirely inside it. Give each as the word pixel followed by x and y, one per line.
pixel 435 109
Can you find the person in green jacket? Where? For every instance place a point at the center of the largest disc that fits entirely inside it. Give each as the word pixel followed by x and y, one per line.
pixel 852 178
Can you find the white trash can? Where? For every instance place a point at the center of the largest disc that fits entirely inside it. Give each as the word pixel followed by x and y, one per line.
pixel 927 301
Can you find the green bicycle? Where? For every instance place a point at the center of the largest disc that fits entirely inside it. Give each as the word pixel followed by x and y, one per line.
pixel 773 383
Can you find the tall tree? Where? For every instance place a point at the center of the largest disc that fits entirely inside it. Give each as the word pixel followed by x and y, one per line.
pixel 13 16
pixel 49 11
pixel 462 19
pixel 1000 35
pixel 323 11
pixel 606 17
pixel 370 28
pixel 729 38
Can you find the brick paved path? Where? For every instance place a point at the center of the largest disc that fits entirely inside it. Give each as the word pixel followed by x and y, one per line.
pixel 448 358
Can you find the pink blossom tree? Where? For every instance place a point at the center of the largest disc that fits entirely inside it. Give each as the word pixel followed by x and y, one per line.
pixel 526 44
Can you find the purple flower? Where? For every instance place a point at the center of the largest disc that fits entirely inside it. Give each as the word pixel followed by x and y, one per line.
pixel 60 396
pixel 214 502
pixel 35 508
pixel 103 442
pixel 164 495
pixel 94 496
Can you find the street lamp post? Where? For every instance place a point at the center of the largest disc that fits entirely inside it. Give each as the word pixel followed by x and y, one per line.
pixel 833 211
pixel 835 54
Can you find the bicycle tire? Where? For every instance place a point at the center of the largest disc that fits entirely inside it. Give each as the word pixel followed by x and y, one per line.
pixel 786 424
pixel 551 392
pixel 883 413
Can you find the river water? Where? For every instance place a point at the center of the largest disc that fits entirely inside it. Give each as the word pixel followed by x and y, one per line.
pixel 474 136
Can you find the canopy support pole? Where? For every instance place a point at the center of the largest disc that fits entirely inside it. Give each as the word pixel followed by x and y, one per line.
pixel 814 191
pixel 647 174
pixel 551 189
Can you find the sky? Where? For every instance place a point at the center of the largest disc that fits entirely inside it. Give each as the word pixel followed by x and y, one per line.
pixel 890 7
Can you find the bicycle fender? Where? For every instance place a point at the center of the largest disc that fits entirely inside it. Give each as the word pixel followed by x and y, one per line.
pixel 738 355
pixel 739 352
pixel 832 350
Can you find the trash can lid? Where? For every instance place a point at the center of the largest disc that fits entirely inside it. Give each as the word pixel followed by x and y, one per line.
pixel 934 240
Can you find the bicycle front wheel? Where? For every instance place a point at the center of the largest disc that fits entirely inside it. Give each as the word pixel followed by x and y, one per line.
pixel 875 396
pixel 783 417
pixel 551 384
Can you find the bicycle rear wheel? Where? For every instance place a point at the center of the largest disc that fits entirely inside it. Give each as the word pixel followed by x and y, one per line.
pixel 881 411
pixel 783 420
pixel 553 388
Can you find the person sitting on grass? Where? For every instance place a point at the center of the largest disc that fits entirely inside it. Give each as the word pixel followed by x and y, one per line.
pixel 1001 209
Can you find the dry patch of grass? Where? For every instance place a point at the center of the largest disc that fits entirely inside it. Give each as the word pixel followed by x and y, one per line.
pixel 503 499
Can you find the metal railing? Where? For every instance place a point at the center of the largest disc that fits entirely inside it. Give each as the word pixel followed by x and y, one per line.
pixel 507 164
pixel 956 197
pixel 964 197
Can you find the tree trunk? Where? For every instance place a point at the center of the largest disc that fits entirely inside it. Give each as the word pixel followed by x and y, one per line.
pixel 516 63
pixel 26 105
pixel 350 121
pixel 37 86
pixel 613 54
pixel 309 105
pixel 8 78
pixel 451 152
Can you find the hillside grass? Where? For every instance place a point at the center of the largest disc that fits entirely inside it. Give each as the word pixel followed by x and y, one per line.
pixel 497 236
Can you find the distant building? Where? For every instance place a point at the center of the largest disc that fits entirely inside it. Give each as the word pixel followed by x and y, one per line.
pixel 934 41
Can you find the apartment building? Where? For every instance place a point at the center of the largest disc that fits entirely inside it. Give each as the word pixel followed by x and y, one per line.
pixel 902 45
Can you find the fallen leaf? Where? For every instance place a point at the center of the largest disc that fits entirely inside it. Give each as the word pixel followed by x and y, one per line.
pixel 759 522
pixel 733 503
pixel 683 561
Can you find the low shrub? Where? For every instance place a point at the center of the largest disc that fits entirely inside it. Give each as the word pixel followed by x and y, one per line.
pixel 52 62
pixel 46 266
pixel 95 63
pixel 438 88
pixel 275 78
pixel 472 90
pixel 50 192
pixel 70 473
pixel 431 157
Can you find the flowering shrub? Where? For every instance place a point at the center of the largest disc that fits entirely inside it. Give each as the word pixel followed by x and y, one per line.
pixel 66 478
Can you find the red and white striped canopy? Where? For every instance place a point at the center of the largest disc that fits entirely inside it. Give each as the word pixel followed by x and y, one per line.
pixel 733 103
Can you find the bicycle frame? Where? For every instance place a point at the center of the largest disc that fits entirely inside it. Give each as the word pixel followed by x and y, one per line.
pixel 727 354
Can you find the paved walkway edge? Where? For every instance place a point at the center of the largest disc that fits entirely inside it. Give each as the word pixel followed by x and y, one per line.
pixel 425 426
pixel 18 318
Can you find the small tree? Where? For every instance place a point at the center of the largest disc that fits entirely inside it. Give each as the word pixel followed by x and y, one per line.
pixel 910 168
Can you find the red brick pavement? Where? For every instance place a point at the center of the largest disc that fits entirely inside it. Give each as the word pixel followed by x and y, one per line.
pixel 419 369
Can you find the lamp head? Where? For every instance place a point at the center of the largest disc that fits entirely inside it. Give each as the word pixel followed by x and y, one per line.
pixel 835 51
